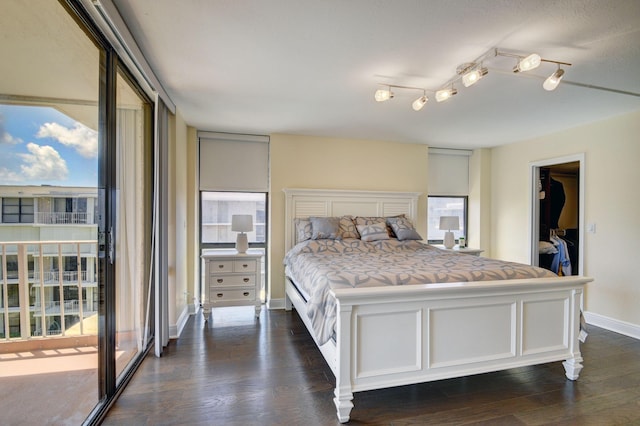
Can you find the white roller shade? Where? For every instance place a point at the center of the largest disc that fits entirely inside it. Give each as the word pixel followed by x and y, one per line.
pixel 448 171
pixel 231 162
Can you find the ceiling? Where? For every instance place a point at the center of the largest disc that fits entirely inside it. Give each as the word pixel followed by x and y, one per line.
pixel 312 67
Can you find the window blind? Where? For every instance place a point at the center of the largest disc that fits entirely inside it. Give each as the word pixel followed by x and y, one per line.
pixel 234 162
pixel 448 171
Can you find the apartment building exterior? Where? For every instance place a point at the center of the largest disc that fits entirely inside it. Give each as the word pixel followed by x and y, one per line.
pixel 48 275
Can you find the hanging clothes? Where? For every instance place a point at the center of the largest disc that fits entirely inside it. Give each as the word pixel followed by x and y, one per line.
pixel 561 264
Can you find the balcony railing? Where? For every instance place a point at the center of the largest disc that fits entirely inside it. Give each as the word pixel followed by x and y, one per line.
pixel 37 301
pixel 63 218
pixel 69 307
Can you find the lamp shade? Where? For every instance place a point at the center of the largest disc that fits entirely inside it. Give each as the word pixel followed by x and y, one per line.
pixel 447 223
pixel 242 223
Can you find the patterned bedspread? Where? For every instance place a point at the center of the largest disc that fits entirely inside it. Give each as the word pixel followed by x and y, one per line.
pixel 316 266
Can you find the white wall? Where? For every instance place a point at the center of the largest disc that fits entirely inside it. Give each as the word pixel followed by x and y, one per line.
pixel 612 202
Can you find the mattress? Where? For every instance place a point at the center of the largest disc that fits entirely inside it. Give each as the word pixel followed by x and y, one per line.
pixel 317 266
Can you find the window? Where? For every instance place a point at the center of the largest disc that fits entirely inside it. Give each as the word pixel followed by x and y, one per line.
pixel 217 208
pixel 17 210
pixel 445 206
pixel 448 191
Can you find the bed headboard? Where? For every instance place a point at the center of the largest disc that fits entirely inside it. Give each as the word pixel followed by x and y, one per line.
pixel 336 202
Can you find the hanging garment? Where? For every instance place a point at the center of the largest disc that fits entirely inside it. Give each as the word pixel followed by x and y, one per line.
pixel 561 264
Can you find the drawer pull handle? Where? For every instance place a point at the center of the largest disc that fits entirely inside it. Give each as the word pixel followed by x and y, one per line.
pixel 245 266
pixel 220 280
pixel 221 266
pixel 246 293
pixel 246 280
pixel 219 294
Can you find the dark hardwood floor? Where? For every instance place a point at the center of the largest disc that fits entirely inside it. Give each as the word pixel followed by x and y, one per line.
pixel 235 371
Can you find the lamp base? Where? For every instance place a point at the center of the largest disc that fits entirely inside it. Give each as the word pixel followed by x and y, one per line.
pixel 242 244
pixel 449 240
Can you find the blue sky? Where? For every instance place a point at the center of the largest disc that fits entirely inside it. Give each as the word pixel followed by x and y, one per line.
pixel 40 145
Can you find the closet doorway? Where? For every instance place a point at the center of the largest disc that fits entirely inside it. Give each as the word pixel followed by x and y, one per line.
pixel 557 201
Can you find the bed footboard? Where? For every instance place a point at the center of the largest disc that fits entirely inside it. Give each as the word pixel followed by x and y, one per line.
pixel 390 336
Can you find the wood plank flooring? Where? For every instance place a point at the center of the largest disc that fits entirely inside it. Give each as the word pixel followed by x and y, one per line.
pixel 236 371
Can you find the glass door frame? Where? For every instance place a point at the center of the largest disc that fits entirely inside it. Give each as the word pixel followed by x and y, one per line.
pixel 109 384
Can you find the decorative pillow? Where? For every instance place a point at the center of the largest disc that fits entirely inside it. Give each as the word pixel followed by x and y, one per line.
pixel 348 227
pixel 366 220
pixel 325 228
pixel 303 229
pixel 373 232
pixel 403 228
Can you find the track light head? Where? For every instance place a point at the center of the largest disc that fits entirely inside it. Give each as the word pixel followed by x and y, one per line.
pixel 444 94
pixel 470 78
pixel 383 95
pixel 553 80
pixel 528 63
pixel 419 103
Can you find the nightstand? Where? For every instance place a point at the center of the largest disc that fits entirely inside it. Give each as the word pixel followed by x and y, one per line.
pixel 465 250
pixel 231 279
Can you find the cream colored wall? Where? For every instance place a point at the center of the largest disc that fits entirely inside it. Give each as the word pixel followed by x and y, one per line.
pixel 612 202
pixel 317 162
pixel 479 208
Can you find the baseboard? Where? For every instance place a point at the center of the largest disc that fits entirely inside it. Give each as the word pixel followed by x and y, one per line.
pixel 275 304
pixel 176 330
pixel 622 327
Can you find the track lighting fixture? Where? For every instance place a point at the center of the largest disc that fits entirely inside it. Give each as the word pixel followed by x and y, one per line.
pixel 383 95
pixel 444 94
pixel 528 63
pixel 472 72
pixel 553 80
pixel 472 77
pixel 420 102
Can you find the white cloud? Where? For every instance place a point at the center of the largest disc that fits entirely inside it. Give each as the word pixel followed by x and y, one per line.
pixel 7 175
pixel 43 163
pixel 6 137
pixel 79 137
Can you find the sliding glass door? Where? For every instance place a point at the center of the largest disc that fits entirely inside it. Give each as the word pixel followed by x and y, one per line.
pixel 132 236
pixel 76 191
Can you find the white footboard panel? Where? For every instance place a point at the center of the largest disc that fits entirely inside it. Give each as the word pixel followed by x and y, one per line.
pixel 402 343
pixel 396 336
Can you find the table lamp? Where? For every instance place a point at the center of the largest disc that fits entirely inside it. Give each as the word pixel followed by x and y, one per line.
pixel 449 223
pixel 242 223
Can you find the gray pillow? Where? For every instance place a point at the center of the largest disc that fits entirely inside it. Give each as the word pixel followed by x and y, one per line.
pixel 403 228
pixel 325 228
pixel 373 231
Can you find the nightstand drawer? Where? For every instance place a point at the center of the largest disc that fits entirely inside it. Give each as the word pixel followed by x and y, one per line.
pixel 232 280
pixel 244 265
pixel 216 266
pixel 230 295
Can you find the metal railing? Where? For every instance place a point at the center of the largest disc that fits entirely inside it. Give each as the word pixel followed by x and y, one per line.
pixel 63 218
pixel 49 301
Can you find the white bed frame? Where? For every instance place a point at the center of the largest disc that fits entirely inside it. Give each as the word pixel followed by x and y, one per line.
pixel 390 336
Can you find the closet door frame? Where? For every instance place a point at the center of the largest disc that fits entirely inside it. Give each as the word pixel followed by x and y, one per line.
pixel 534 209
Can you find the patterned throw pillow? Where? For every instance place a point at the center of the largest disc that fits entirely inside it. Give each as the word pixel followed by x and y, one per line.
pixel 366 220
pixel 403 228
pixel 348 227
pixel 325 228
pixel 303 229
pixel 373 232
